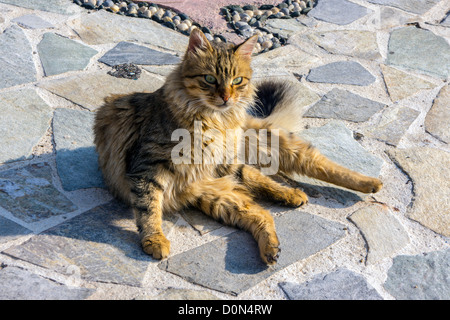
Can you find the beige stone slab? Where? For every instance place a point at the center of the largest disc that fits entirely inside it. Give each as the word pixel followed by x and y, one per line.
pixel 381 230
pixel 105 27
pixel 428 169
pixel 437 121
pixel 401 84
pixel 89 89
pixel 362 44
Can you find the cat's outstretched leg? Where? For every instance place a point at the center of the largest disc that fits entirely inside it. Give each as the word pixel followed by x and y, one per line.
pixel 225 200
pixel 263 186
pixel 297 156
pixel 147 198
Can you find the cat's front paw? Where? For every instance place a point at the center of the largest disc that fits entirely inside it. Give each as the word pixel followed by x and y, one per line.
pixel 371 185
pixel 269 249
pixel 295 198
pixel 156 245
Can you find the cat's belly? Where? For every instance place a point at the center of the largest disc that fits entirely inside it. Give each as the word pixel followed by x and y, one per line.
pixel 175 195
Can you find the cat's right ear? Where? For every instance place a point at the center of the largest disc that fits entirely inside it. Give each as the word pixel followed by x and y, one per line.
pixel 198 41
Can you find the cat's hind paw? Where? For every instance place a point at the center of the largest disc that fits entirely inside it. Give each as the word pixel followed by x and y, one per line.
pixel 156 245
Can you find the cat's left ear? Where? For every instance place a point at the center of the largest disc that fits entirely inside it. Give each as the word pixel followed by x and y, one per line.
pixel 246 48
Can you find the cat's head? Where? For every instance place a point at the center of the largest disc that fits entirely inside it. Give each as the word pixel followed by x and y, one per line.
pixel 218 74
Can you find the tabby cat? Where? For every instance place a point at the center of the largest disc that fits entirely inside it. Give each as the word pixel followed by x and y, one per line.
pixel 211 89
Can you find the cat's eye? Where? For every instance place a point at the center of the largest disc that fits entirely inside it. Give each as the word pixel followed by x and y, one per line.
pixel 210 79
pixel 238 80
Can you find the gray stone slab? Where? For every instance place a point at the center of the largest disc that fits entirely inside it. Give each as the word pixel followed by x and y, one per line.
pixel 344 105
pixel 19 67
pixel 285 27
pixel 336 142
pixel 232 263
pixel 32 21
pixel 126 52
pixel 59 54
pixel 24 120
pixel 382 232
pixel 340 12
pixel 438 118
pixel 76 157
pixel 419 49
pixel 56 6
pixel 115 28
pixel 10 230
pixel 421 277
pixel 28 193
pixel 393 124
pixel 20 284
pixel 70 87
pixel 183 294
pixel 428 170
pixel 341 284
pixel 342 72
pixel 103 243
pixel 414 6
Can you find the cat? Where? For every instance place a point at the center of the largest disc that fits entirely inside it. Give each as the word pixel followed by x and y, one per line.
pixel 211 91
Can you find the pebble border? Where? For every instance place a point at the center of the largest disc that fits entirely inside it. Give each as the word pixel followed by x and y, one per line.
pixel 246 20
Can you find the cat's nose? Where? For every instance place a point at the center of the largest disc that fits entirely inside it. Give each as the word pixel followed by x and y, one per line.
pixel 225 97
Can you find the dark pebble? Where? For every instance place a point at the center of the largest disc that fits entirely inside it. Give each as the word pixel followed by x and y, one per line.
pixel 295 14
pixel 170 25
pixel 282 5
pixel 221 37
pixel 156 18
pixel 153 5
pixel 235 8
pixel 78 2
pixel 206 30
pixel 266 7
pixel 88 5
pixel 286 17
pixel 306 10
pixel 183 16
pixel 272 16
pixel 249 7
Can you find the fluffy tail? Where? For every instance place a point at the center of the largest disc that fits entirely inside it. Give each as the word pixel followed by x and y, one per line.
pixel 276 101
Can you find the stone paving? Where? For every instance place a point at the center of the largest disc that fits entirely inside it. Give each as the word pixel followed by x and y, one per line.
pixel 374 81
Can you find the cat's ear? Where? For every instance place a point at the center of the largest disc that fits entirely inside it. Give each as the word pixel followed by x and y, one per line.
pixel 246 48
pixel 198 41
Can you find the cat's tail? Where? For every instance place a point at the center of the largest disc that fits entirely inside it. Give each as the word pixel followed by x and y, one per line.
pixel 277 102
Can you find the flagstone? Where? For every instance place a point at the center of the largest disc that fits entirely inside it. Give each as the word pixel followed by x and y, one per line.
pixel 232 264
pixel 76 158
pixel 344 105
pixel 104 27
pixel 414 6
pixel 438 118
pixel 393 124
pixel 341 284
pixel 382 232
pixel 102 242
pixel 32 21
pixel 21 284
pixel 428 170
pixel 29 195
pixel 9 230
pixel 17 68
pixel 59 54
pixel 419 49
pixel 401 85
pixel 420 277
pixel 340 12
pixel 126 52
pixel 342 72
pixel 84 89
pixel 24 120
pixel 354 43
pixel 56 6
